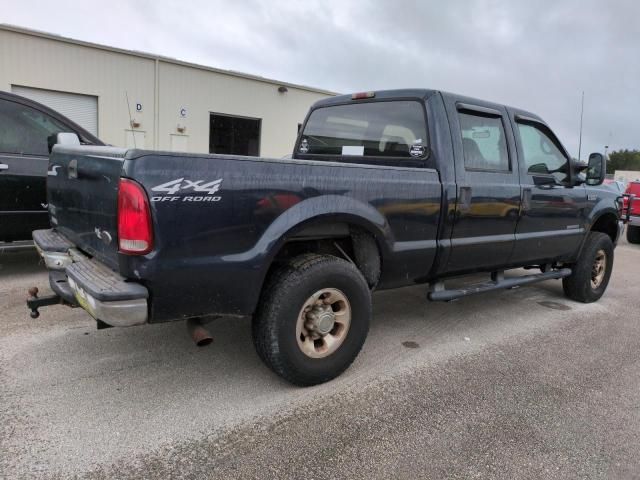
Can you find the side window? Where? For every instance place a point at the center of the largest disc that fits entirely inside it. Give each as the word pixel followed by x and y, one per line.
pixel 542 156
pixel 24 130
pixel 483 142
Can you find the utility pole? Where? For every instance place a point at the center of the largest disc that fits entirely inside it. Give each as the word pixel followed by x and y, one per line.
pixel 581 114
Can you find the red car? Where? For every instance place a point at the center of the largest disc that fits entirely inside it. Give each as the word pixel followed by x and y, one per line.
pixel 633 228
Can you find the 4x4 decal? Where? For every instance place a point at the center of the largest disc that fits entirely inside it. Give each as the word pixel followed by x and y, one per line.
pixel 208 189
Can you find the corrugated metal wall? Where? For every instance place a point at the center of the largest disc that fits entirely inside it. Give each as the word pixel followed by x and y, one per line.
pixel 186 95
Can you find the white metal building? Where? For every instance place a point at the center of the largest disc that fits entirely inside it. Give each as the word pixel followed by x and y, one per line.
pixel 130 98
pixel 627 176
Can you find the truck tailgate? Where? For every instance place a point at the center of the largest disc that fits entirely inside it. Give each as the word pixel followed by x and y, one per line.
pixel 82 192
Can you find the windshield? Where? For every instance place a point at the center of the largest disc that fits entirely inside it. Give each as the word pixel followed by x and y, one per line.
pixel 373 129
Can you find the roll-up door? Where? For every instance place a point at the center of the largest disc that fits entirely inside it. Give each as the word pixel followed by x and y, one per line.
pixel 82 109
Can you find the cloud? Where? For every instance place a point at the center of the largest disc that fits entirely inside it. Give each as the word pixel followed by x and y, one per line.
pixel 538 55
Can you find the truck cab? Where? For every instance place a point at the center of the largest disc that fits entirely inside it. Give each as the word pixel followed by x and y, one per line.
pixel 511 194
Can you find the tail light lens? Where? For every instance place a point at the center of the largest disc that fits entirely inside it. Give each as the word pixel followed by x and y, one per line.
pixel 135 235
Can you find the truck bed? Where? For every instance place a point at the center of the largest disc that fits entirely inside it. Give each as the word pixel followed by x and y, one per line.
pixel 230 215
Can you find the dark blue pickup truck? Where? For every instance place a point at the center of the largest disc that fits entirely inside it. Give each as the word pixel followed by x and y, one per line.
pixel 385 189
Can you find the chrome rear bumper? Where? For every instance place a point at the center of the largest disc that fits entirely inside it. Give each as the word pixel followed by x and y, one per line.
pixel 87 283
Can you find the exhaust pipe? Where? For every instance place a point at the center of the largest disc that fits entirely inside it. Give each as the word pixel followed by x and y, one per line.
pixel 199 334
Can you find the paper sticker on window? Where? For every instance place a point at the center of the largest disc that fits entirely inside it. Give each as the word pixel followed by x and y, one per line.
pixel 417 151
pixel 352 150
pixel 481 134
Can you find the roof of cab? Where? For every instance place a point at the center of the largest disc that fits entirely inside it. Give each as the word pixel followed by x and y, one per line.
pixel 379 94
pixel 422 93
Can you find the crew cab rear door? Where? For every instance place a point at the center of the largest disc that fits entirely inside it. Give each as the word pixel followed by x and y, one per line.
pixel 23 168
pixel 487 183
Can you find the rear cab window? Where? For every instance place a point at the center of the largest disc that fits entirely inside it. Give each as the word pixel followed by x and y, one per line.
pixel 380 132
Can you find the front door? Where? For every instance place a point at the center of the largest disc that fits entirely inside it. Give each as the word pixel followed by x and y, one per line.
pixel 488 188
pixel 23 169
pixel 552 222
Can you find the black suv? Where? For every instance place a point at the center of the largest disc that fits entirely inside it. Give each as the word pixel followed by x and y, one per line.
pixel 24 128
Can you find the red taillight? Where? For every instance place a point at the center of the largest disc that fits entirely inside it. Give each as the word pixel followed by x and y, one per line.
pixel 135 235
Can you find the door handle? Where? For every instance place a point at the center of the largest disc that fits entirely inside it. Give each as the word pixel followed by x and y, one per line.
pixel 465 199
pixel 526 199
pixel 4 166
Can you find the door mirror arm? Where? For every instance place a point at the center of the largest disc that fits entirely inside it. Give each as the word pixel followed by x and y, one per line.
pixel 592 173
pixel 579 172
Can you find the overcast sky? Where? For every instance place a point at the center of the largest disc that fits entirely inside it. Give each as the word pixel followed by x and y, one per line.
pixel 537 55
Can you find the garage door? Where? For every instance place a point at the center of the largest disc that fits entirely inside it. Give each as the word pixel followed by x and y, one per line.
pixel 82 109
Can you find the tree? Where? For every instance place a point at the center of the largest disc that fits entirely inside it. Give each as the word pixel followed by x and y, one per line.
pixel 623 160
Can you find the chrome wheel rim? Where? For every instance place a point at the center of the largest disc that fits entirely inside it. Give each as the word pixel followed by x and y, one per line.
pixel 598 269
pixel 323 323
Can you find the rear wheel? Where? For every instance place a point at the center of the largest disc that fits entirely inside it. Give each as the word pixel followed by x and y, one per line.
pixel 313 319
pixel 633 234
pixel 592 271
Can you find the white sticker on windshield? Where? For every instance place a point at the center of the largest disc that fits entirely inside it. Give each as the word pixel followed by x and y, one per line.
pixel 352 150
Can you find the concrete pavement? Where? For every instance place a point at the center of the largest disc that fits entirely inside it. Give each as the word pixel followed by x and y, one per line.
pixel 515 384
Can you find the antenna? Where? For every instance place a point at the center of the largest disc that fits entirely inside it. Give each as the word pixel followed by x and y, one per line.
pixel 581 114
pixel 133 133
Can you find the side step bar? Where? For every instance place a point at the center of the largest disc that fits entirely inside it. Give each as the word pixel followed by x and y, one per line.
pixel 439 294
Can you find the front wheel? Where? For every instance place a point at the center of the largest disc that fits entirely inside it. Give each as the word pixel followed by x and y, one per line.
pixel 592 271
pixel 313 319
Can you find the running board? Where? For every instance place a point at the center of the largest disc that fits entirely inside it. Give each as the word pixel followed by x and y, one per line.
pixel 439 294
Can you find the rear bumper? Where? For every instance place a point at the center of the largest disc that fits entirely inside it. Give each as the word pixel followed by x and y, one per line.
pixel 87 283
pixel 634 220
pixel 53 248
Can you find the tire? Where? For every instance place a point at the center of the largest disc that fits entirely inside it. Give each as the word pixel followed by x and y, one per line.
pixel 280 327
pixel 583 285
pixel 633 234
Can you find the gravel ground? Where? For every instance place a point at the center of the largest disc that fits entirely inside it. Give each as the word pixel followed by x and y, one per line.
pixel 516 384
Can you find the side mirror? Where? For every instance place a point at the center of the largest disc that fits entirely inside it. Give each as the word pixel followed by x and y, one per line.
pixel 62 138
pixel 596 169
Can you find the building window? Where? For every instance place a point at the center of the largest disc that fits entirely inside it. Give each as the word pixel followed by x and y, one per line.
pixel 234 135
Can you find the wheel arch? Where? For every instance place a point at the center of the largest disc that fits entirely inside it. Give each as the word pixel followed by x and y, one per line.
pixel 606 222
pixel 318 225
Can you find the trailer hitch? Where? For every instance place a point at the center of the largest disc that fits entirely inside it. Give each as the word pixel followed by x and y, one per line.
pixel 34 302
